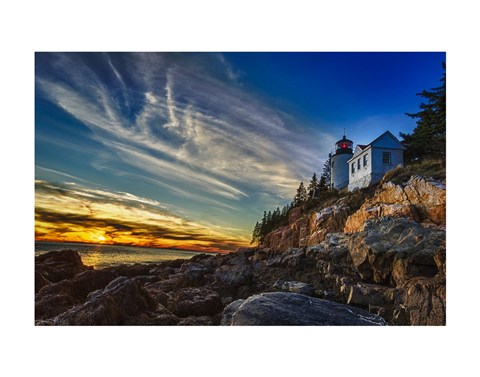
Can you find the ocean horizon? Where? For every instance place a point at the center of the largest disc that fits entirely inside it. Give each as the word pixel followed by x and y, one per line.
pixel 101 256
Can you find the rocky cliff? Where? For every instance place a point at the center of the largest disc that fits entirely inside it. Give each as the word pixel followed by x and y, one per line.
pixel 421 200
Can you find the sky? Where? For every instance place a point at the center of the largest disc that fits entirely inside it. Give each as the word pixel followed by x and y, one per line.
pixel 186 150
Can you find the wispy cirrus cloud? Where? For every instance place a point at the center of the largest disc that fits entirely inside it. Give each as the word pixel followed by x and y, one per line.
pixel 189 121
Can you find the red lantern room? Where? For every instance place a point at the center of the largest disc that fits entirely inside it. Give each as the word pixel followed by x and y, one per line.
pixel 343 146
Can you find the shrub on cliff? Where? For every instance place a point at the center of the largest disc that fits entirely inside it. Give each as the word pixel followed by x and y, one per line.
pixel 434 168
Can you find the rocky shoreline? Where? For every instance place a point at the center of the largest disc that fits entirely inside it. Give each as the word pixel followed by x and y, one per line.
pixel 389 268
pixel 393 273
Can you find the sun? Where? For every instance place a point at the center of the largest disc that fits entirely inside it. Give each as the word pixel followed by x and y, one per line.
pixel 101 238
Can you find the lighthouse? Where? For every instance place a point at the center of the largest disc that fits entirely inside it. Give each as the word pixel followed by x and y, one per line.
pixel 338 163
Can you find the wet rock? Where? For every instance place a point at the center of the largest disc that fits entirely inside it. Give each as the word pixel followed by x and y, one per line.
pixel 195 302
pixel 80 285
pixel 275 260
pixel 236 258
pixel 160 295
pixel 392 251
pixel 425 301
pixel 245 291
pixel 233 276
pixel 260 255
pixel 294 259
pixel 162 272
pixel 440 258
pixel 55 266
pixel 120 299
pixel 406 267
pixel 50 305
pixel 209 261
pixel 368 295
pixel 229 310
pixel 166 285
pixel 40 281
pixel 280 308
pixel 174 263
pixel 145 279
pixel 399 317
pixel 198 321
pixel 56 298
pixel 294 287
pixel 163 320
pixel 331 256
pixel 192 275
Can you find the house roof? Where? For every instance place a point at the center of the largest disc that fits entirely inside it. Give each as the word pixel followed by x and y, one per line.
pixel 361 147
pixel 388 133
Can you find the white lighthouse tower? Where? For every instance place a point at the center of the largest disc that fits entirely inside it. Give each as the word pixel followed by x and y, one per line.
pixel 338 163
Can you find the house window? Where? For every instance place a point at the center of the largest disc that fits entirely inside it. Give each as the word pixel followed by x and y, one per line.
pixel 358 164
pixel 353 167
pixel 365 160
pixel 387 158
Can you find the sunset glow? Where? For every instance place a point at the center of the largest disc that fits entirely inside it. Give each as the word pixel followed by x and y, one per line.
pixel 73 213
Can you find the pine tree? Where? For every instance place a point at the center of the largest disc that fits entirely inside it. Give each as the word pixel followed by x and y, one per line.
pixel 269 217
pixel 312 189
pixel 263 226
pixel 325 180
pixel 276 216
pixel 256 233
pixel 428 139
pixel 301 196
pixel 323 184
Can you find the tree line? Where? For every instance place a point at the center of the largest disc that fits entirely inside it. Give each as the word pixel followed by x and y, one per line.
pixel 305 196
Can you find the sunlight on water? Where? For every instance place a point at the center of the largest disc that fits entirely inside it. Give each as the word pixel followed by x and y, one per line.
pixel 101 256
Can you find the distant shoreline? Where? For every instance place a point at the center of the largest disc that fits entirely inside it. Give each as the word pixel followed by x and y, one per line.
pixel 126 245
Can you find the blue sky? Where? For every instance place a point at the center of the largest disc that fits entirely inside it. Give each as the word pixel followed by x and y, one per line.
pixel 187 149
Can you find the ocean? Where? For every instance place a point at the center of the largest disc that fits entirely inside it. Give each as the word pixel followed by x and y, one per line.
pixel 101 256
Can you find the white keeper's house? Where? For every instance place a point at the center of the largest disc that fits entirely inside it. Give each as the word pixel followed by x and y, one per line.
pixel 367 164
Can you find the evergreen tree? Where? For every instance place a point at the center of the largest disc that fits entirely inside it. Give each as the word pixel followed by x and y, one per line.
pixel 323 183
pixel 263 226
pixel 312 189
pixel 276 218
pixel 301 196
pixel 428 139
pixel 325 179
pixel 256 233
pixel 269 217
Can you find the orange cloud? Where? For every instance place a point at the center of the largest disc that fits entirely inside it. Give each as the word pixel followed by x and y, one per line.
pixel 74 213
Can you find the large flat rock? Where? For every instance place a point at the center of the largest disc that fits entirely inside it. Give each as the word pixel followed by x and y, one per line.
pixel 285 308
